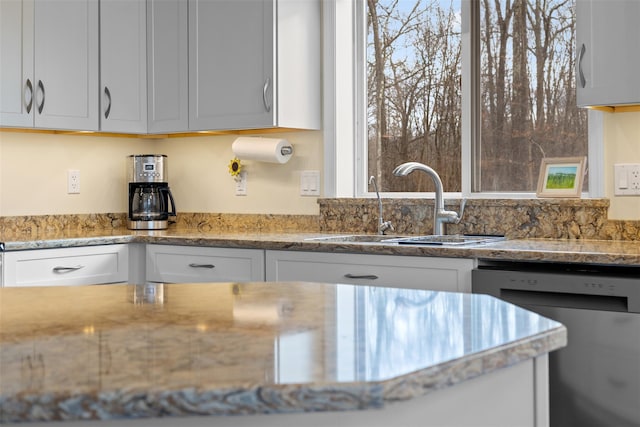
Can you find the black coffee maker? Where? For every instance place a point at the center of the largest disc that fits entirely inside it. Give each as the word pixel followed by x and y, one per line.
pixel 149 193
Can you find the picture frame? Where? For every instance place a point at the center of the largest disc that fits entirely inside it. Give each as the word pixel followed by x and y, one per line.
pixel 561 177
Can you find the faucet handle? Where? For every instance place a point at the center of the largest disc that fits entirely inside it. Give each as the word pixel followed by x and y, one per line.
pixel 463 203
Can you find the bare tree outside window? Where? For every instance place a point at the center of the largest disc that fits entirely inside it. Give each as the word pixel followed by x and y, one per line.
pixel 528 91
pixel 527 100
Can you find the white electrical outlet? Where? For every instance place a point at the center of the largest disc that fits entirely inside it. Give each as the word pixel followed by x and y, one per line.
pixel 73 181
pixel 626 179
pixel 241 184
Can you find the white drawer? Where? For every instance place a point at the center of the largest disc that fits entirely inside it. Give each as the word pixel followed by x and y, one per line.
pixel 438 274
pixel 189 264
pixel 87 265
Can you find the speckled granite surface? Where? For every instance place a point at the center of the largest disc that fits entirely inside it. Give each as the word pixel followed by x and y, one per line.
pixel 102 352
pixel 616 252
pixel 515 218
pixel 204 222
pixel 556 230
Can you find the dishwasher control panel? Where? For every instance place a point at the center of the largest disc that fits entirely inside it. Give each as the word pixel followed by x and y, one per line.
pixel 600 288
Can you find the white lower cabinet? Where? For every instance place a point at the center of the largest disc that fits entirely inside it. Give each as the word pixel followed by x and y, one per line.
pixel 191 264
pixel 87 265
pixel 438 274
pixel 138 263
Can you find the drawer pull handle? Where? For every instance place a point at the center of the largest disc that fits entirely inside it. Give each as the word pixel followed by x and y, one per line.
pixel 361 276
pixel 194 265
pixel 67 269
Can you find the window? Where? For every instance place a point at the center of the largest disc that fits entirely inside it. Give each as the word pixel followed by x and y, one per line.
pixel 525 106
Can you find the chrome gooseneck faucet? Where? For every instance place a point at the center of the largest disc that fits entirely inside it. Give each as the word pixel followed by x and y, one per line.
pixel 440 215
pixel 383 225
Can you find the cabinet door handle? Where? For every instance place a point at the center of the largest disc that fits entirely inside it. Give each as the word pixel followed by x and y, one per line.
pixel 41 87
pixel 62 269
pixel 361 276
pixel 194 265
pixel 30 103
pixel 107 94
pixel 265 89
pixel 583 81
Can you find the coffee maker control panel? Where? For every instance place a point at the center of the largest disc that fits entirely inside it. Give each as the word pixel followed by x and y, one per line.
pixel 147 168
pixel 149 171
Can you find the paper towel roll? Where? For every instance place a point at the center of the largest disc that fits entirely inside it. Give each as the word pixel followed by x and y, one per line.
pixel 270 150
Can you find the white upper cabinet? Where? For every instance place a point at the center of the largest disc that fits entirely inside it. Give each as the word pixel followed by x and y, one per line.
pixel 160 66
pixel 66 64
pixel 16 63
pixel 167 64
pixel 254 64
pixel 143 66
pixel 123 66
pixel 49 64
pixel 607 40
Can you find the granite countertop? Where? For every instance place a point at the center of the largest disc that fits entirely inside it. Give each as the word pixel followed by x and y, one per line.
pixel 102 352
pixel 616 252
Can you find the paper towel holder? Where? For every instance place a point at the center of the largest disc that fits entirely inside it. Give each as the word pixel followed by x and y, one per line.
pixel 270 150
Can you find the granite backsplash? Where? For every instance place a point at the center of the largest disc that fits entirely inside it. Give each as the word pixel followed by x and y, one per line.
pixel 515 218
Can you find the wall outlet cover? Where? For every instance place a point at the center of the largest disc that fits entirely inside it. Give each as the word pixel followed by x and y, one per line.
pixel 626 179
pixel 241 184
pixel 73 181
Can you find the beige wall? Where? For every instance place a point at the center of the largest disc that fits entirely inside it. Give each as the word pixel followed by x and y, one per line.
pixel 621 145
pixel 33 174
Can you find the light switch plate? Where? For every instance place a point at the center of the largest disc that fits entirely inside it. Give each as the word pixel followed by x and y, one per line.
pixel 626 179
pixel 310 183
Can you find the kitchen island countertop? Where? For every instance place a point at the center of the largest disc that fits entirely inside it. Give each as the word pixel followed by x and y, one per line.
pixel 158 350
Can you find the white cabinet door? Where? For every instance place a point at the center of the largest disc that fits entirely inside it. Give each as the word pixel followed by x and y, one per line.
pixel 167 63
pixel 90 265
pixel 16 63
pixel 123 66
pixel 607 40
pixel 231 63
pixel 439 274
pixel 66 64
pixel 254 64
pixel 191 264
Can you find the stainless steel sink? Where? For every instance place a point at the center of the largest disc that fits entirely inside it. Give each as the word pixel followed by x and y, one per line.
pixel 356 238
pixel 447 240
pixel 442 240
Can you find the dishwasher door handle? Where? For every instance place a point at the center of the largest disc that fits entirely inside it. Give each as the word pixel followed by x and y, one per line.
pixel 566 300
pixel 361 276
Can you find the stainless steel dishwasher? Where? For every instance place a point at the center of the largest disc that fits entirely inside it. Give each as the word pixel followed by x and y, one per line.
pixel 595 380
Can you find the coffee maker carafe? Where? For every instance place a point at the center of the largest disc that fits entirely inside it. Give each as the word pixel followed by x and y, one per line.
pixel 149 193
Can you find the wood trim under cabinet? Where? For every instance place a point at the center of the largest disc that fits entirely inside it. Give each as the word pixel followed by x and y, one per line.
pixel 152 136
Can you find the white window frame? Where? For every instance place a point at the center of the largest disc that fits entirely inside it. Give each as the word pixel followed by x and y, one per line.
pixel 344 111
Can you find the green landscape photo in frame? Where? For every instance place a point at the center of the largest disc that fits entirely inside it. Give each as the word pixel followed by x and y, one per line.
pixel 561 177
